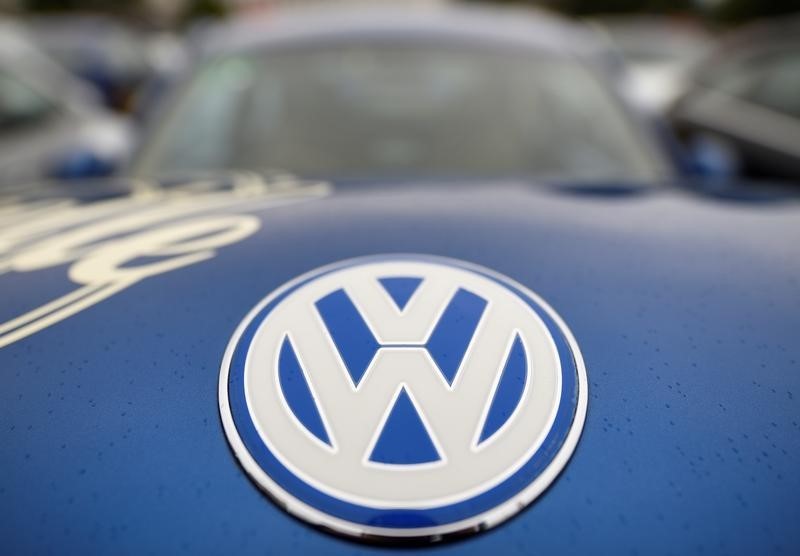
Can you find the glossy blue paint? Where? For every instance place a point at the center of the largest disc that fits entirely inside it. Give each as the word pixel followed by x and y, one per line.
pixel 686 308
pixel 298 394
pixel 452 334
pixel 404 440
pixel 400 288
pixel 352 336
pixel 509 391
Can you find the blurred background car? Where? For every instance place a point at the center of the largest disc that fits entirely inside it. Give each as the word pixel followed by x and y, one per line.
pixel 744 101
pixel 358 95
pixel 657 53
pixel 116 58
pixel 134 55
pixel 51 124
pixel 98 49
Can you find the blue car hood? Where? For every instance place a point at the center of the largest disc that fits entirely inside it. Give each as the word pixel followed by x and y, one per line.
pixel 686 308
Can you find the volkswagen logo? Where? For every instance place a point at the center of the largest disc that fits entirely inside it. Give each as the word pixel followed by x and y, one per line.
pixel 403 396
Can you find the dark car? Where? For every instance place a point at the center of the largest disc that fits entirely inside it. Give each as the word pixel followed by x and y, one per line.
pixel 745 101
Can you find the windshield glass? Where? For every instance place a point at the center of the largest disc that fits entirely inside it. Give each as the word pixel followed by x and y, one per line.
pixel 389 111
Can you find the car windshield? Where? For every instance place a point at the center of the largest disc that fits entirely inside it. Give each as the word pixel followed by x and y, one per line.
pixel 389 111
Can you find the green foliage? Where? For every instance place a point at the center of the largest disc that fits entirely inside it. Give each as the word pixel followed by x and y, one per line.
pixel 205 9
pixel 105 6
pixel 592 7
pixel 727 11
pixel 740 11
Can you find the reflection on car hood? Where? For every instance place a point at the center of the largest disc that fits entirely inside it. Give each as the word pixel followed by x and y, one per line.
pixel 115 315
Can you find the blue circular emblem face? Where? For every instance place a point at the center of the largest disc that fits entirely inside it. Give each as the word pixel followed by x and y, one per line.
pixel 403 396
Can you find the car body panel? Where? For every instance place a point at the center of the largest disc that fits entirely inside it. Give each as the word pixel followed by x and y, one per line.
pixel 685 307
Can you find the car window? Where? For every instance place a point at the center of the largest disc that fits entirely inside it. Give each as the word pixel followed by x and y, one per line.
pixel 401 111
pixel 737 76
pixel 779 88
pixel 767 78
pixel 20 105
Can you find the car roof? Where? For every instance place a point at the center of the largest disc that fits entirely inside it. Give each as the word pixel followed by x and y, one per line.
pixel 523 27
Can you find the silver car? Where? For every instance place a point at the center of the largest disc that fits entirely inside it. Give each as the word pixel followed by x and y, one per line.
pixel 50 123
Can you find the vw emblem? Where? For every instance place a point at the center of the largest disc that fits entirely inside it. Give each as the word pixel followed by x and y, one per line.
pixel 403 397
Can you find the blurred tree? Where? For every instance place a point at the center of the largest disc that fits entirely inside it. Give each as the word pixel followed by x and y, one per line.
pixel 108 6
pixel 161 12
pixel 205 9
pixel 739 11
pixel 725 11
pixel 589 7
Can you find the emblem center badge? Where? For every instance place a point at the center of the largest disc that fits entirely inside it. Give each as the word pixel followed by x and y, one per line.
pixel 403 396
